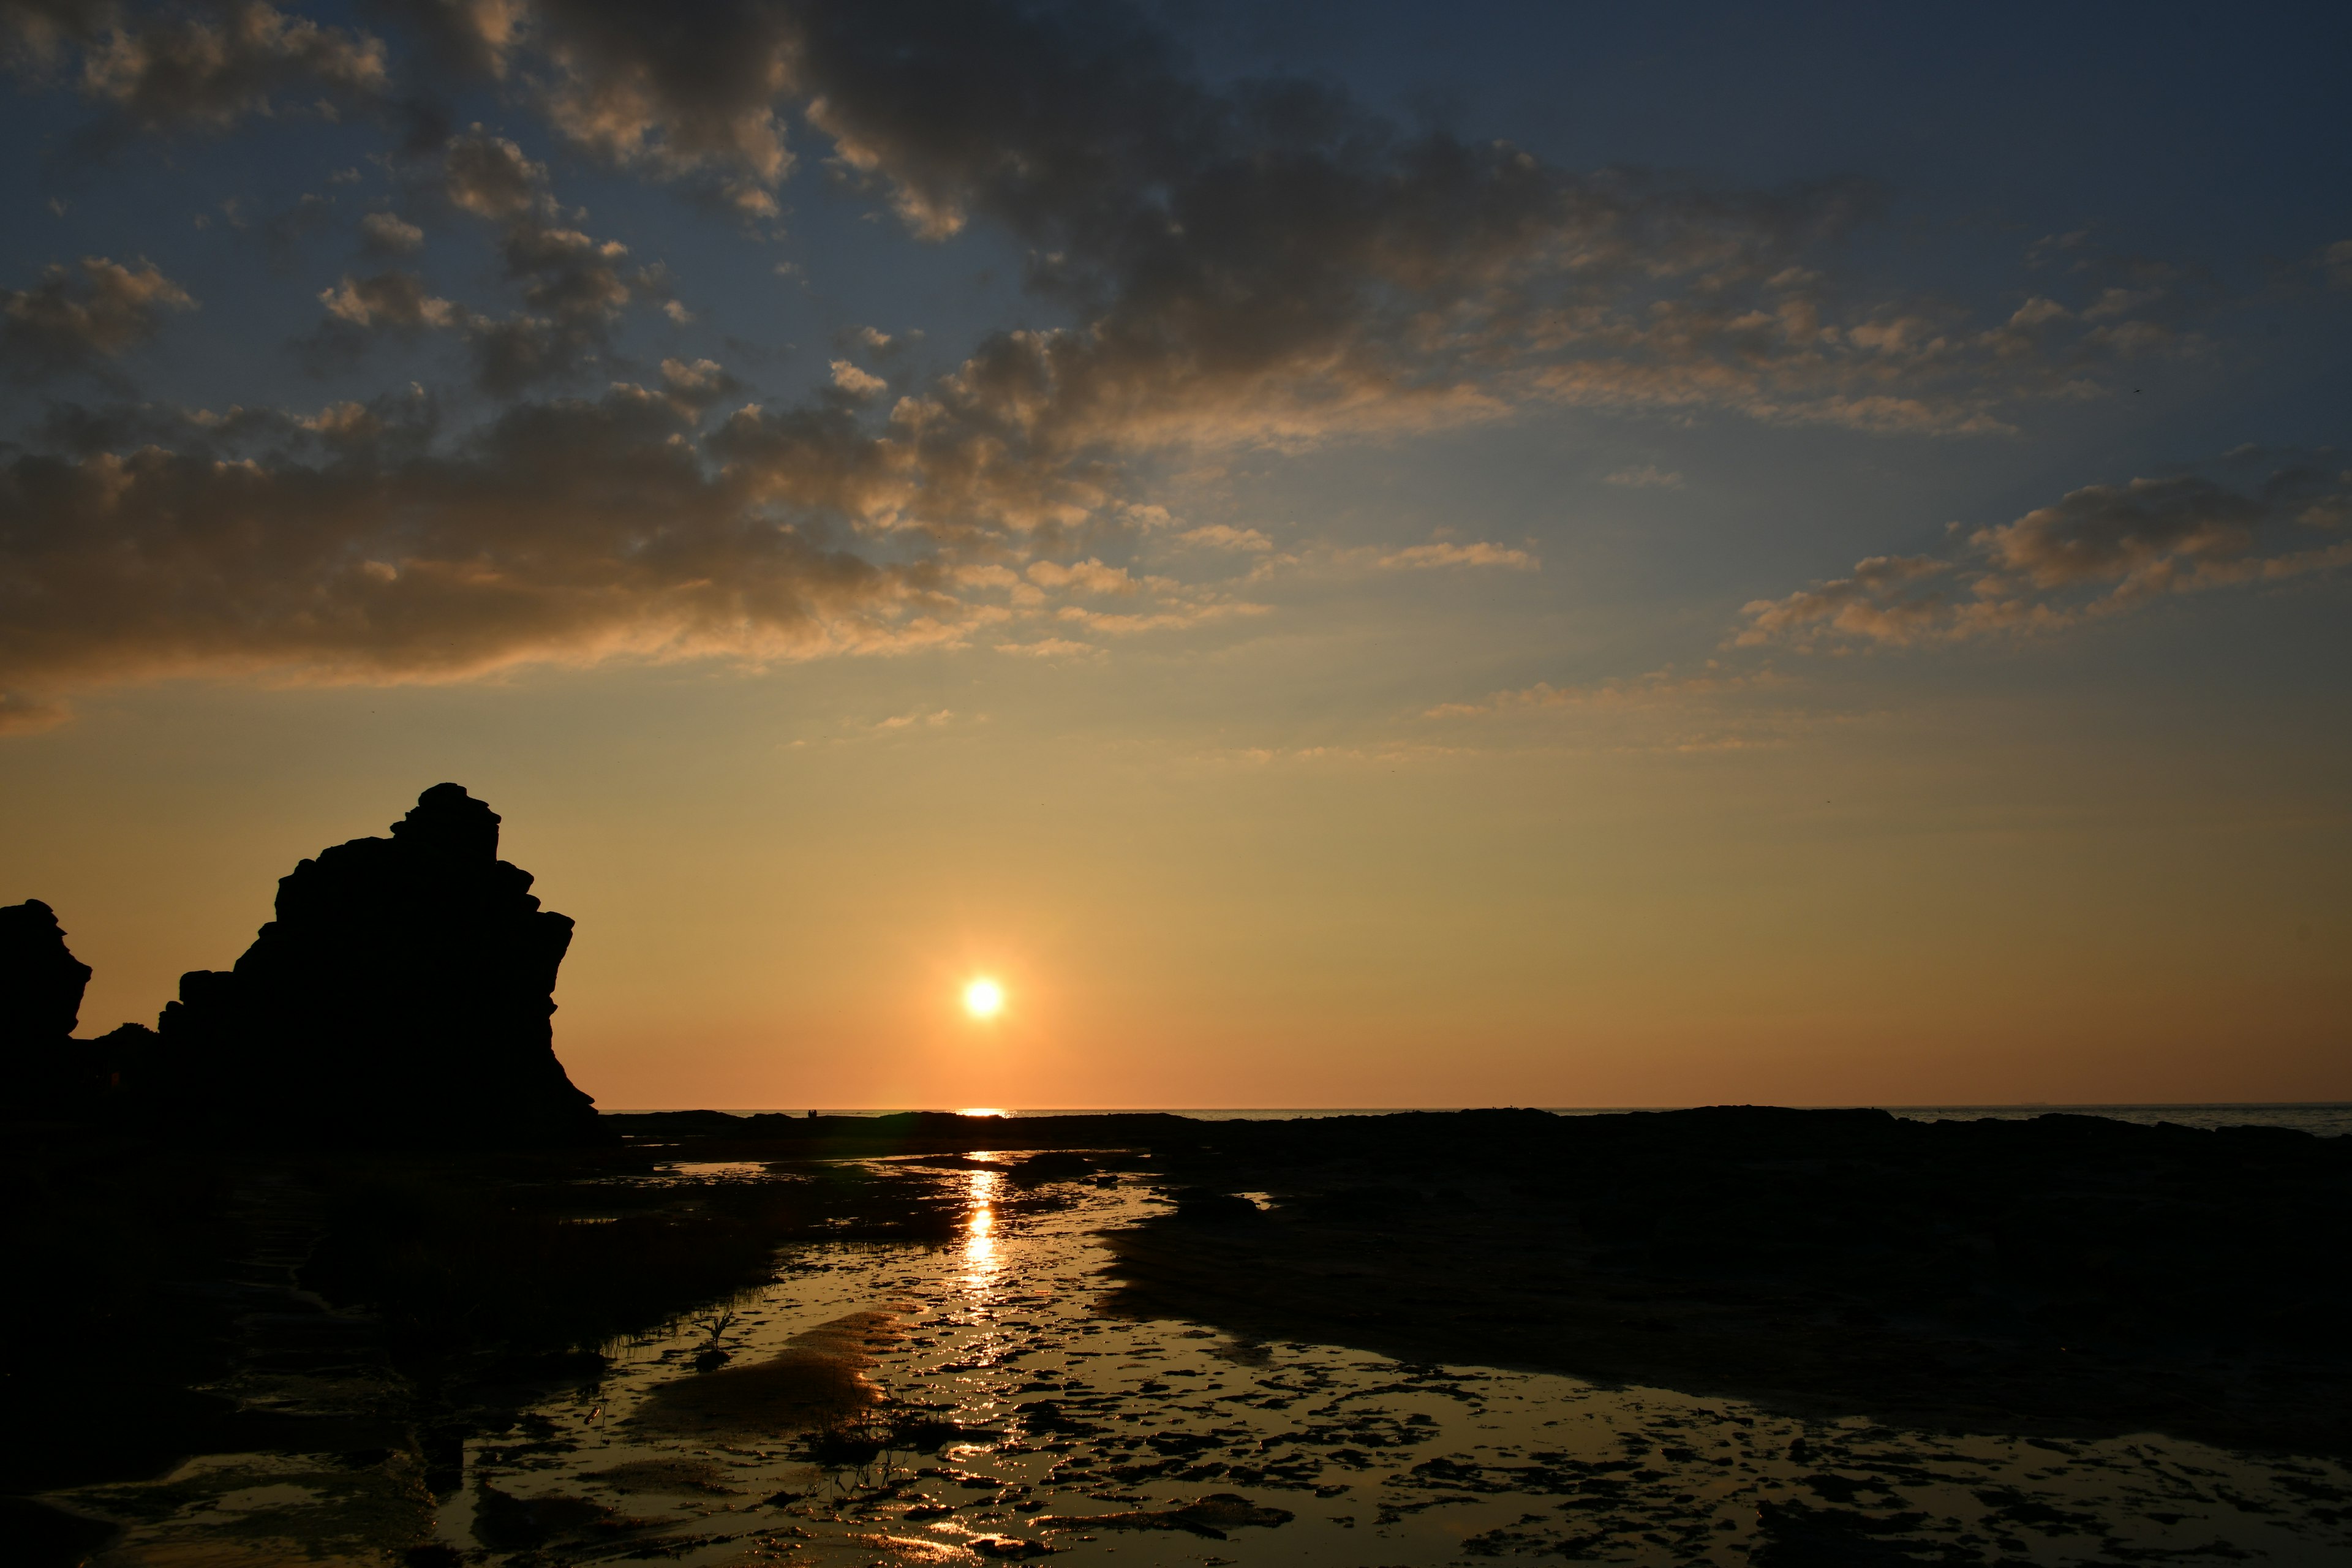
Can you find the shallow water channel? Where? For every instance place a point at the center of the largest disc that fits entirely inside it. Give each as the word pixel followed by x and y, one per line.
pixel 1055 1428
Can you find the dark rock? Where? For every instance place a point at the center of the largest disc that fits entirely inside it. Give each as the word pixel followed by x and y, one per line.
pixel 1205 1206
pixel 44 1071
pixel 1054 1165
pixel 41 981
pixel 130 1058
pixel 404 989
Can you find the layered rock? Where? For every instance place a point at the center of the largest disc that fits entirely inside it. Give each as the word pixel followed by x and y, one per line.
pixel 43 1069
pixel 406 986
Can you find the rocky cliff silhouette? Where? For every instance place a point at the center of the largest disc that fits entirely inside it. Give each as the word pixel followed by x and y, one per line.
pixel 43 1068
pixel 404 989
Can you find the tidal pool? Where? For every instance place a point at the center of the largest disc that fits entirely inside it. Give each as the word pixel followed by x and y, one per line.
pixel 883 1403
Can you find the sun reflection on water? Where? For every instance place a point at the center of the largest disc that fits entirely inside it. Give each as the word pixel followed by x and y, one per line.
pixel 979 1226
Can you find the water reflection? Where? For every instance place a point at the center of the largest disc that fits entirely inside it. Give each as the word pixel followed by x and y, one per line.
pixel 979 1225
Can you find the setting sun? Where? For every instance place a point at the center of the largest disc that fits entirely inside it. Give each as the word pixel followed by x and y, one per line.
pixel 984 998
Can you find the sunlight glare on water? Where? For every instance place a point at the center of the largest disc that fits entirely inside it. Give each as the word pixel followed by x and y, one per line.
pixel 979 1225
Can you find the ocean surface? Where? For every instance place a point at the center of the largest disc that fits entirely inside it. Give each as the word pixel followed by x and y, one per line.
pixel 2324 1120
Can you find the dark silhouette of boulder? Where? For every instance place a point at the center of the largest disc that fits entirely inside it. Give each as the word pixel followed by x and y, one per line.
pixel 129 1061
pixel 404 989
pixel 43 1069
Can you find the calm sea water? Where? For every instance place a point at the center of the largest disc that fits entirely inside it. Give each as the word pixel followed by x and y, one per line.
pixel 2325 1119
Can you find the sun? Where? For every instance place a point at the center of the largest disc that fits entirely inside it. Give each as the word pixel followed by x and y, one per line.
pixel 984 998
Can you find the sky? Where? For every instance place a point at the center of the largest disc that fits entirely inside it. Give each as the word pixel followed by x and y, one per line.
pixel 1344 554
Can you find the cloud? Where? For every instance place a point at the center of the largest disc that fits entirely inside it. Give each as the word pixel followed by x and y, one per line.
pixel 1266 261
pixel 573 287
pixel 489 177
pixel 695 98
pixel 857 383
pixel 1659 688
pixel 2339 262
pixel 1424 557
pixel 1050 648
pixel 363 548
pixel 1176 616
pixel 932 719
pixel 397 301
pixel 1224 536
pixel 76 318
pixel 201 68
pixel 694 386
pixel 387 233
pixel 1084 577
pixel 2095 552
pixel 1647 477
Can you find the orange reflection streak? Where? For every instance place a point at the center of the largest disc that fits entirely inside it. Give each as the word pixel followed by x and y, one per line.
pixel 980 1227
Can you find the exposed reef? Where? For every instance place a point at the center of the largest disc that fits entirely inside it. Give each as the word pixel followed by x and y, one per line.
pixel 404 988
pixel 2059 1274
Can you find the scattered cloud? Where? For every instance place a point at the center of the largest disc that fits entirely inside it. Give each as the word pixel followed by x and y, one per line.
pixel 1658 688
pixel 1084 577
pixel 1224 536
pixel 358 547
pixel 2096 552
pixel 692 388
pixel 78 318
pixel 857 383
pixel 397 301
pixel 489 177
pixel 1177 617
pixel 930 721
pixel 1424 557
pixel 388 234
pixel 1050 648
pixel 203 69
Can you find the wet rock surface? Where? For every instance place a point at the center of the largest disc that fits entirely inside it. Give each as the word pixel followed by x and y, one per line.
pixel 2065 1274
pixel 982 1397
pixel 1013 1416
pixel 404 988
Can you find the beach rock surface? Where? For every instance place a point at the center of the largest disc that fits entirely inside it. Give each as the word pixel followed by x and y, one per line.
pixel 405 987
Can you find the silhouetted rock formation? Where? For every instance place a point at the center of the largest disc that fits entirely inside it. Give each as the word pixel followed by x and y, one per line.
pixel 404 989
pixel 130 1062
pixel 43 1069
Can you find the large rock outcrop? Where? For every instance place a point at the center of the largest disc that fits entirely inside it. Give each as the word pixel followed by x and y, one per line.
pixel 43 1069
pixel 404 988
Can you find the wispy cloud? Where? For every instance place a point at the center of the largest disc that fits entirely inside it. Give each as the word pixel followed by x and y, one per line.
pixel 1649 476
pixel 1425 557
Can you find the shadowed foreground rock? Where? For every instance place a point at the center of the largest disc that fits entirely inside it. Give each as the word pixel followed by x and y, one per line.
pixel 405 987
pixel 42 1068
